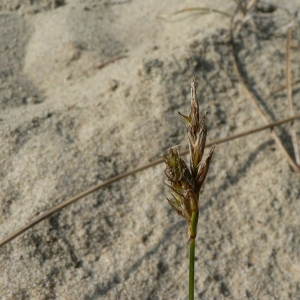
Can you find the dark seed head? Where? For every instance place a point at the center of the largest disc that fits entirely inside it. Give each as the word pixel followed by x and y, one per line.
pixel 185 183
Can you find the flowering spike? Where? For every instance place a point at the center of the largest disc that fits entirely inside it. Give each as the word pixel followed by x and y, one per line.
pixel 185 183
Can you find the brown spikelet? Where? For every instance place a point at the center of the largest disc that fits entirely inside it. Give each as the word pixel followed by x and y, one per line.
pixel 185 183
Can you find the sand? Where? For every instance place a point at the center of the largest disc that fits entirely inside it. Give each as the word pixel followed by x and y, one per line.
pixel 91 89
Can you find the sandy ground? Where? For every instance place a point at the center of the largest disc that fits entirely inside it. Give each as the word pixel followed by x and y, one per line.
pixel 69 121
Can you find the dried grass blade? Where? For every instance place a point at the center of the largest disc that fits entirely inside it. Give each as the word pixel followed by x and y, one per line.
pixel 70 201
pixel 292 163
pixel 290 97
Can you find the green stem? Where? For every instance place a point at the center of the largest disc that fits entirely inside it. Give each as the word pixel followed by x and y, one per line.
pixel 194 222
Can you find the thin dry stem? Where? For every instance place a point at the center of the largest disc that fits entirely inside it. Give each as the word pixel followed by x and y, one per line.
pixel 203 10
pixel 70 201
pixel 295 167
pixel 283 87
pixel 289 95
pixel 110 61
pixel 252 3
pixel 295 46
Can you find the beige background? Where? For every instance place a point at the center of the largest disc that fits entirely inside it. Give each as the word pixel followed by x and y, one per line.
pixel 66 125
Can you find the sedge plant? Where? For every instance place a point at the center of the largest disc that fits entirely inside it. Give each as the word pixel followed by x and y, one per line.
pixel 185 182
